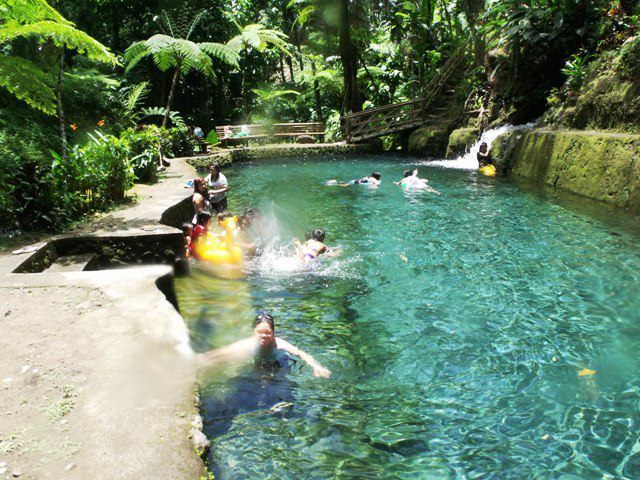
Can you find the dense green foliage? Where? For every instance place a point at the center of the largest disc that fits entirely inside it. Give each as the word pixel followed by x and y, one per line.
pixel 112 71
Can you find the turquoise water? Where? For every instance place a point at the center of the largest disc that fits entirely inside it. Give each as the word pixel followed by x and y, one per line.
pixel 441 321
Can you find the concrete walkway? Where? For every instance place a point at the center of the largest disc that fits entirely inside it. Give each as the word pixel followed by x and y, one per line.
pixel 96 377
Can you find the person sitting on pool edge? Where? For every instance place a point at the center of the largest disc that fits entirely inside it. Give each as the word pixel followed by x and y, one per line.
pixel 484 155
pixel 372 180
pixel 313 247
pixel 267 350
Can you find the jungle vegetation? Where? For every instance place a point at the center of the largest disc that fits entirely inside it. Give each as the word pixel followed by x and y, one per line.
pixel 93 92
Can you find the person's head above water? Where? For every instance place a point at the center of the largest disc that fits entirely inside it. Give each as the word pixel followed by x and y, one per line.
pixel 317 234
pixel 200 186
pixel 203 218
pixel 187 229
pixel 376 175
pixel 214 170
pixel 483 147
pixel 264 328
pixel 223 216
pixel 407 173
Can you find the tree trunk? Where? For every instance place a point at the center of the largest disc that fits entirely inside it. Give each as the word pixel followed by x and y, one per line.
pixel 282 74
pixel 352 99
pixel 172 91
pixel 115 27
pixel 290 65
pixel 316 92
pixel 61 125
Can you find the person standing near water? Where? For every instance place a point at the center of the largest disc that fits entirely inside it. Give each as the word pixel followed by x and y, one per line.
pixel 200 198
pixel 267 350
pixel 218 187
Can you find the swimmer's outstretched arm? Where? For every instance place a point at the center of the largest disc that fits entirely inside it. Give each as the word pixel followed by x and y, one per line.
pixel 318 370
pixel 237 351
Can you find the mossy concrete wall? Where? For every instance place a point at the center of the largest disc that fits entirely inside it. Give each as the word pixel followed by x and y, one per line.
pixel 460 141
pixel 600 165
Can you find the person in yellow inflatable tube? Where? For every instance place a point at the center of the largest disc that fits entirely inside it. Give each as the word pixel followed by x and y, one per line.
pixel 485 162
pixel 221 249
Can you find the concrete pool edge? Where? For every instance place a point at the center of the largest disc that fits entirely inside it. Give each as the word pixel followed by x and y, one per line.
pixel 155 431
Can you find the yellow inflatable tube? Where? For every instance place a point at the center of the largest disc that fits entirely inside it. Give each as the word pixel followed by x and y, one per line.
pixel 219 251
pixel 488 170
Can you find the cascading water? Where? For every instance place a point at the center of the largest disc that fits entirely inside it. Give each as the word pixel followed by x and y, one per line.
pixel 469 161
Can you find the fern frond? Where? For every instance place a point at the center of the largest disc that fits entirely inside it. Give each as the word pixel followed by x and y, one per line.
pixel 135 95
pixel 61 34
pixel 226 53
pixel 175 117
pixel 268 95
pixel 30 11
pixel 27 82
pixel 305 14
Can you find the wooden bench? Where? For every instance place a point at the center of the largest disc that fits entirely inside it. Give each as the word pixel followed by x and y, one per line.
pixel 294 130
pixel 256 132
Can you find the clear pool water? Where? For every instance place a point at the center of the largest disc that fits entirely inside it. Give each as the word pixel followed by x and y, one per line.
pixel 456 327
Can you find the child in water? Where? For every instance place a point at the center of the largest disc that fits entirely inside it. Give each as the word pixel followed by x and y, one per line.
pixel 187 233
pixel 264 347
pixel 203 225
pixel 313 247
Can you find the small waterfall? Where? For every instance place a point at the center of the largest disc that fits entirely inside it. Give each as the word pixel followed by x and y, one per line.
pixel 469 161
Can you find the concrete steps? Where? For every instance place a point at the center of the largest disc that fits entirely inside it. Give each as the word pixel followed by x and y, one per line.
pixel 71 263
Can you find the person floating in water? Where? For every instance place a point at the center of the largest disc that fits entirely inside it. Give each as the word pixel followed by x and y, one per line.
pixel 484 155
pixel 267 350
pixel 313 247
pixel 372 180
pixel 410 180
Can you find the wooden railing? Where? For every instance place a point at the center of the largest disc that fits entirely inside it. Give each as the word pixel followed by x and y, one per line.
pixel 397 117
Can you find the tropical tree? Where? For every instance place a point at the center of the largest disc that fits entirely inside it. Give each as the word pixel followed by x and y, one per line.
pixel 174 50
pixel 37 20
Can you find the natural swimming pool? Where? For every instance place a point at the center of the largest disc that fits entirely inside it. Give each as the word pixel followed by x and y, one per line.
pixel 455 326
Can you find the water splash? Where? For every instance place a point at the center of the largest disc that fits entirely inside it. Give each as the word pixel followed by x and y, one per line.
pixel 469 160
pixel 279 259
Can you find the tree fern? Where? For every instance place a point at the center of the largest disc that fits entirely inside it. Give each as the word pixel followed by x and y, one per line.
pixel 37 20
pixel 179 53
